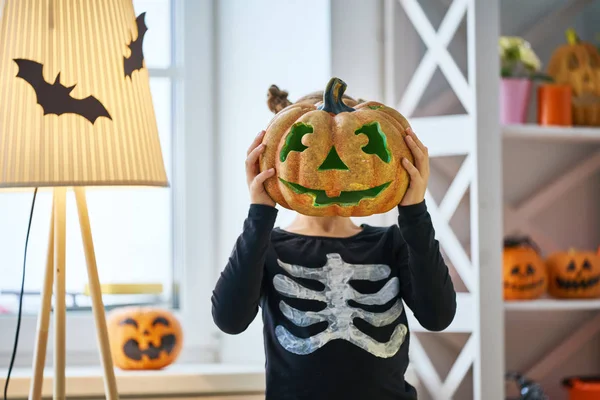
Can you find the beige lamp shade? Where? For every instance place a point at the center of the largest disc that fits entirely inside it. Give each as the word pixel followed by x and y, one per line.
pixel 75 103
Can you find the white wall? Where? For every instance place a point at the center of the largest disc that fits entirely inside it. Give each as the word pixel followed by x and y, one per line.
pixel 260 43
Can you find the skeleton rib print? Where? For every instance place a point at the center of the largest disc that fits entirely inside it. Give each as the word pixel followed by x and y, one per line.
pixel 335 275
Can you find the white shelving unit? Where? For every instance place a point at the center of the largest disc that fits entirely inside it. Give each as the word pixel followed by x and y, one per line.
pixel 495 180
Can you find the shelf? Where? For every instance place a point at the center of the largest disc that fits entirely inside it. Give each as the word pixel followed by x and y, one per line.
pixel 552 304
pixel 554 133
pixel 174 381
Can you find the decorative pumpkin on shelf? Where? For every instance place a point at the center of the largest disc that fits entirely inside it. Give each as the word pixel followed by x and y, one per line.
pixel 523 270
pixel 143 337
pixel 578 64
pixel 574 274
pixel 334 159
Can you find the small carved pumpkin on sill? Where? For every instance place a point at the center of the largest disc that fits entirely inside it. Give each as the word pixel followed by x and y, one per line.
pixel 336 157
pixel 574 274
pixel 523 269
pixel 143 337
pixel 578 65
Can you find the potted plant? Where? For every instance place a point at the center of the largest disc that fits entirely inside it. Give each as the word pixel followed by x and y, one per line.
pixel 519 66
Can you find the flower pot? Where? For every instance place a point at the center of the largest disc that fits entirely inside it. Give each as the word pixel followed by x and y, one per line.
pixel 514 100
pixel 554 105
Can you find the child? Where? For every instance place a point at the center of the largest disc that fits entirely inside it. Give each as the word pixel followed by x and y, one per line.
pixel 331 292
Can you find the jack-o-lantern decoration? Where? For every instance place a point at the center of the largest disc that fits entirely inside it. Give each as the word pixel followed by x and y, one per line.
pixel 524 271
pixel 578 64
pixel 334 159
pixel 574 274
pixel 143 337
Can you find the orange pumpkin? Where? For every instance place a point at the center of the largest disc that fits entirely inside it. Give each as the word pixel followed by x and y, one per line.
pixel 524 271
pixel 143 337
pixel 578 65
pixel 574 274
pixel 334 159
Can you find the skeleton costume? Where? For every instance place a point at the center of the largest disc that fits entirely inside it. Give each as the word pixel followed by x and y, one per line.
pixel 333 308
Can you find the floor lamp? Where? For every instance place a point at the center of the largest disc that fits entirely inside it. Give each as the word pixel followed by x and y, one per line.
pixel 75 111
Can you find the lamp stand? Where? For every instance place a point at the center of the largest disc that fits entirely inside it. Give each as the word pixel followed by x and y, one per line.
pixel 54 278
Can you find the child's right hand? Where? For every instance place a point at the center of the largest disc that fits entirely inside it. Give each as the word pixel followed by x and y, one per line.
pixel 255 178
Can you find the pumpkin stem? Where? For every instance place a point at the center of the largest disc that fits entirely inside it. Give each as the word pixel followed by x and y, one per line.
pixel 332 98
pixel 572 37
pixel 521 241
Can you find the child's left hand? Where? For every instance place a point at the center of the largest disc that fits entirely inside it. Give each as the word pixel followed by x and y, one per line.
pixel 419 173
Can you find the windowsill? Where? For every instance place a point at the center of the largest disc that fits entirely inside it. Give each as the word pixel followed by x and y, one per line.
pixel 182 379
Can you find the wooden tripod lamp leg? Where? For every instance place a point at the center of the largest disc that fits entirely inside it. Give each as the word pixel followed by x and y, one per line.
pixel 60 308
pixel 43 322
pixel 110 384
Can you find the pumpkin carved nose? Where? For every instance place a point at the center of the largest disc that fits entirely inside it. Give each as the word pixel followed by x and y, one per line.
pixel 146 332
pixel 333 161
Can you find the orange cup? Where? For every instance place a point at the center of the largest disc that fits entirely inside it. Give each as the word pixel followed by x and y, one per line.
pixel 554 105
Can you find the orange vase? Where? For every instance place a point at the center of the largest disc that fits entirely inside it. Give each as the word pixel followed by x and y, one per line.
pixel 554 105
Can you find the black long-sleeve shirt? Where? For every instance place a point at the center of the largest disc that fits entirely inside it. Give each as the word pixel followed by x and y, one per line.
pixel 334 322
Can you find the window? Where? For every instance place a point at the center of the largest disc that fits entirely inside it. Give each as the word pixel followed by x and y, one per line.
pixel 132 227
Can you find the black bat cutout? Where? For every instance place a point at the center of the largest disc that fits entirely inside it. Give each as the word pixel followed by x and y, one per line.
pixel 55 98
pixel 135 61
pixel 131 348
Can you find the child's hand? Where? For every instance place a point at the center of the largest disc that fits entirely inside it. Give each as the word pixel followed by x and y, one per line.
pixel 419 173
pixel 255 178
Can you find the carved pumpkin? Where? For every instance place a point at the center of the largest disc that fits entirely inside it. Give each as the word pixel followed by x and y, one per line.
pixel 574 274
pixel 143 338
pixel 523 270
pixel 578 65
pixel 334 159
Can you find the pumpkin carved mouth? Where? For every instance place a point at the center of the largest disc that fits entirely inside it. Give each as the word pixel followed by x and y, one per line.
pixel 131 348
pixel 345 198
pixel 526 286
pixel 577 284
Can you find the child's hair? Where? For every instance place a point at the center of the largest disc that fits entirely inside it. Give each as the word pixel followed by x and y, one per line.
pixel 277 99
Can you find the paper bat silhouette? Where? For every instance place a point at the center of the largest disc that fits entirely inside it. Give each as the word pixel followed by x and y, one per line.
pixel 55 98
pixel 135 61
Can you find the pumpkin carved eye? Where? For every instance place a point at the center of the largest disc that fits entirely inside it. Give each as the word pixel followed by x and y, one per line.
pixel 129 321
pixel 515 270
pixel 587 265
pixel 293 141
pixel 377 144
pixel 161 321
pixel 571 266
pixel 573 62
pixel 530 269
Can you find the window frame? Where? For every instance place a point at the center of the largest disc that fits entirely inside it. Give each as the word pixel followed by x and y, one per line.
pixel 193 212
